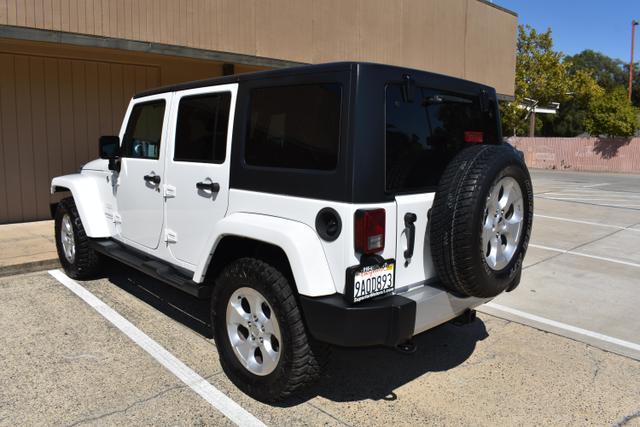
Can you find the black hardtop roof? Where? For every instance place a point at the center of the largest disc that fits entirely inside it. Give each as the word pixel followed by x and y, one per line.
pixel 284 72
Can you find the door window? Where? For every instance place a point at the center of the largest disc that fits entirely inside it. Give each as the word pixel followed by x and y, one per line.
pixel 201 131
pixel 144 131
pixel 294 126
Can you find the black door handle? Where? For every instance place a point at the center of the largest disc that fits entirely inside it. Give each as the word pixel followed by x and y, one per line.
pixel 214 187
pixel 152 178
pixel 409 220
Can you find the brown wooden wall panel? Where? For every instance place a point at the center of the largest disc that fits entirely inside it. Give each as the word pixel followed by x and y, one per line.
pixel 25 137
pixel 458 37
pixel 52 111
pixel 487 31
pixel 334 33
pixel 56 100
pixel 283 29
pixel 4 10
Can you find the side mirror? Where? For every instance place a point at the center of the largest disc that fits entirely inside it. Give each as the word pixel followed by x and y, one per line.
pixel 109 147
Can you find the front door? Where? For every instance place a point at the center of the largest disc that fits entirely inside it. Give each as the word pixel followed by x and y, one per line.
pixel 139 196
pixel 197 184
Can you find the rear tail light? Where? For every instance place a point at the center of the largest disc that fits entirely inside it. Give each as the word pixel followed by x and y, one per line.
pixel 369 230
pixel 474 137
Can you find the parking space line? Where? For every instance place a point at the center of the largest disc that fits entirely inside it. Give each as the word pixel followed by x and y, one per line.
pixel 582 254
pixel 588 203
pixel 206 390
pixel 562 326
pixel 595 185
pixel 577 221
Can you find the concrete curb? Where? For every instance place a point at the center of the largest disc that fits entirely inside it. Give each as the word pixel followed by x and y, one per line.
pixel 29 267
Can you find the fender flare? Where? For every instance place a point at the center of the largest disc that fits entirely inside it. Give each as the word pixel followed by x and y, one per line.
pixel 87 199
pixel 299 242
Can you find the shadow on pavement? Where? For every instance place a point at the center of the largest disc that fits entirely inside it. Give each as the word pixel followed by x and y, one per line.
pixel 181 307
pixel 353 374
pixel 374 373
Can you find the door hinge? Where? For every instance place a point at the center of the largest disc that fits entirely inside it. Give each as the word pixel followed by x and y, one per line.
pixel 169 191
pixel 117 219
pixel 170 236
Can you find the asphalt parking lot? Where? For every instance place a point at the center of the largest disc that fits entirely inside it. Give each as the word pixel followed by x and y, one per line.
pixel 563 348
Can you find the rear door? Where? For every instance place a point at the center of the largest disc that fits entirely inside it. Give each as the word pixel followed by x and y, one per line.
pixel 197 182
pixel 422 136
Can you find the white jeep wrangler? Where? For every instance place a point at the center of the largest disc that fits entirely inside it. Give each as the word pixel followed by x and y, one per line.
pixel 350 204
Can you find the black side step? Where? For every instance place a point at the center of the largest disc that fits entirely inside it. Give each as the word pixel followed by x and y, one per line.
pixel 151 266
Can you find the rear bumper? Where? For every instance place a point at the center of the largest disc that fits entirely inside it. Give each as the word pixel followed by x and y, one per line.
pixel 387 321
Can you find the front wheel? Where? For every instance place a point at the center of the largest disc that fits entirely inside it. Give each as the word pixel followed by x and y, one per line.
pixel 262 342
pixel 76 256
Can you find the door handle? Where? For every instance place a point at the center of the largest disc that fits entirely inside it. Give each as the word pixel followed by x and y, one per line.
pixel 155 179
pixel 409 220
pixel 214 187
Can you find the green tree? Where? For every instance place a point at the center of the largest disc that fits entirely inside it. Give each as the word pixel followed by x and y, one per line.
pixel 608 72
pixel 611 114
pixel 540 75
pixel 570 118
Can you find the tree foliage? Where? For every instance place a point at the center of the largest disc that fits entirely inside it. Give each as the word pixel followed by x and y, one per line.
pixel 611 114
pixel 589 86
pixel 607 72
pixel 570 118
pixel 540 75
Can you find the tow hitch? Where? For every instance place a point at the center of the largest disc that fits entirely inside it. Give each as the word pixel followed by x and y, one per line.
pixel 407 347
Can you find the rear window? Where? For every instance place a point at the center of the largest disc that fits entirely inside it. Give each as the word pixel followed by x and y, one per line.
pixel 423 135
pixel 294 126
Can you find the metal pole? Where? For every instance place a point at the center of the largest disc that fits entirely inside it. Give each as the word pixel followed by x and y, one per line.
pixel 633 36
pixel 532 123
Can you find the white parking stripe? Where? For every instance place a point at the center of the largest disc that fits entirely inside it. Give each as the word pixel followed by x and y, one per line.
pixel 570 252
pixel 595 203
pixel 592 199
pixel 595 185
pixel 577 221
pixel 562 326
pixel 208 392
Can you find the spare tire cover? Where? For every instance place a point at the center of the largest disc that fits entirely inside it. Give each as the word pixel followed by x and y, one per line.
pixel 481 220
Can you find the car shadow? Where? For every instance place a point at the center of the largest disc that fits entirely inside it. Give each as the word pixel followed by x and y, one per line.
pixel 353 374
pixel 180 306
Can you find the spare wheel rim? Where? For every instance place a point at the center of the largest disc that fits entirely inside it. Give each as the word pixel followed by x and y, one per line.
pixel 502 223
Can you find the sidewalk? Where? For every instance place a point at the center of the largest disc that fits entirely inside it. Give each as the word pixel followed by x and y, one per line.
pixel 27 247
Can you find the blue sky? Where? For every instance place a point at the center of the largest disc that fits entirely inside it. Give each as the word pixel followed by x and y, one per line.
pixel 600 25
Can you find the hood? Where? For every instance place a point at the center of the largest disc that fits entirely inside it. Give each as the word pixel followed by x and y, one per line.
pixel 96 165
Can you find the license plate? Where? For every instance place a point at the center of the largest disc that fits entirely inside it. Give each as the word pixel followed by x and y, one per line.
pixel 364 282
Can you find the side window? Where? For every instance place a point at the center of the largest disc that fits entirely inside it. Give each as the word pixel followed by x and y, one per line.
pixel 201 130
pixel 144 130
pixel 294 126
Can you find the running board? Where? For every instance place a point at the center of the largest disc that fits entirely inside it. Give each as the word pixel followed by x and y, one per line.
pixel 151 266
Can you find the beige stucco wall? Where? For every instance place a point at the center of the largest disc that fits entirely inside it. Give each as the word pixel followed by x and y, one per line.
pixel 464 38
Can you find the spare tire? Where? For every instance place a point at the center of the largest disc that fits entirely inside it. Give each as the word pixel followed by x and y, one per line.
pixel 481 221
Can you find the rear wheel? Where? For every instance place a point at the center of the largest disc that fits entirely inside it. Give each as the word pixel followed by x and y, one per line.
pixel 481 221
pixel 262 341
pixel 74 252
